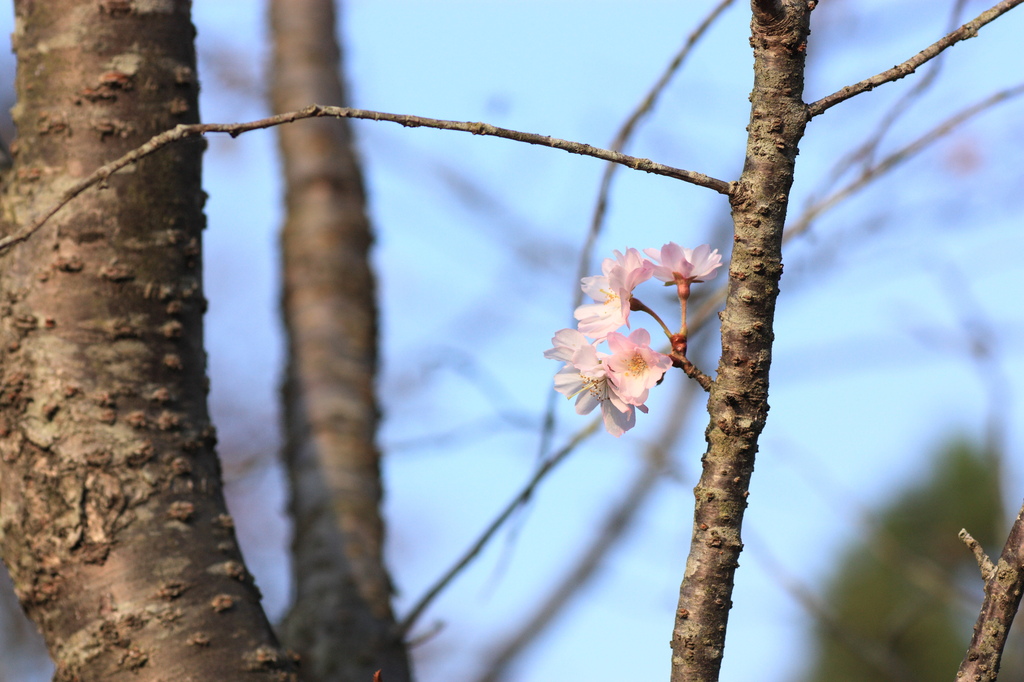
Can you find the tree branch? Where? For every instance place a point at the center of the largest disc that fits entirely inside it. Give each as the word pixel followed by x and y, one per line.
pixel 1002 598
pixel 521 498
pixel 968 30
pixel 182 132
pixel 617 523
pixel 864 155
pixel 712 303
pixel 897 157
pixel 682 362
pixel 988 570
pixel 738 402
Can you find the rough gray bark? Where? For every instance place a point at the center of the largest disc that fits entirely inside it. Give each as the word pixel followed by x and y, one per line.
pixel 738 403
pixel 112 521
pixel 341 623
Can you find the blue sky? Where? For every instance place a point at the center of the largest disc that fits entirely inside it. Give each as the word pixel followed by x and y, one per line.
pixel 477 253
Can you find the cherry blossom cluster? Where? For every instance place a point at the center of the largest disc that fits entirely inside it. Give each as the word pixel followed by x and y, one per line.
pixel 619 381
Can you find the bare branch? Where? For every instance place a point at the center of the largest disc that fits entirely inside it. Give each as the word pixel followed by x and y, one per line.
pixel 1003 590
pixel 897 157
pixel 864 155
pixel 984 563
pixel 651 98
pixel 182 132
pixel 712 303
pixel 615 527
pixel 521 498
pixel 968 30
pixel 769 10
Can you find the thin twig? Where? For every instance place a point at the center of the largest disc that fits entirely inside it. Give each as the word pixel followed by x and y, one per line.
pixel 984 563
pixel 183 132
pixel 419 607
pixel 617 523
pixel 897 157
pixel 921 571
pixel 968 30
pixel 629 127
pixel 865 153
pixel 683 363
pixel 713 302
pixel 980 344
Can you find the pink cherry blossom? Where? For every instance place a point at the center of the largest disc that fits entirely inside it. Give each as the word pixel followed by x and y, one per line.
pixel 612 292
pixel 566 343
pixel 634 367
pixel 584 376
pixel 606 315
pixel 627 270
pixel 681 264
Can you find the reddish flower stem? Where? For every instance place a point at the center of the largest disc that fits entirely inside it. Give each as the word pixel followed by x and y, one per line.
pixel 638 305
pixel 683 289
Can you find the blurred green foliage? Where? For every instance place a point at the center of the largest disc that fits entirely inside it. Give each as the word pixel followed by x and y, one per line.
pixel 903 599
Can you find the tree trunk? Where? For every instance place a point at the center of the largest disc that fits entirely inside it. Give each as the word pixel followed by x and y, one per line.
pixel 738 402
pixel 341 623
pixel 112 518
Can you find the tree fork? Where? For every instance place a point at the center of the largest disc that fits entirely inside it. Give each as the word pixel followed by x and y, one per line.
pixel 738 402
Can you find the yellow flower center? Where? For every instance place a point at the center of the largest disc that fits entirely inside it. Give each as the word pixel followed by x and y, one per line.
pixel 636 365
pixel 595 387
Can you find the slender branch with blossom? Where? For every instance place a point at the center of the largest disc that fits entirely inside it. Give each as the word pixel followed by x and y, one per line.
pixel 619 382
